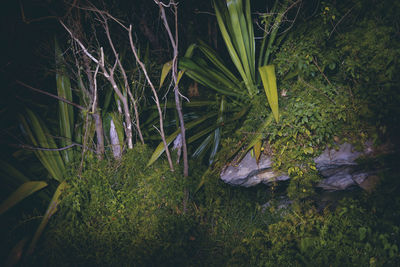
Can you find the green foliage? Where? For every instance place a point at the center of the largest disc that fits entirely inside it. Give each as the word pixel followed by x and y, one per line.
pixel 370 62
pixel 335 84
pixel 349 236
pixel 124 211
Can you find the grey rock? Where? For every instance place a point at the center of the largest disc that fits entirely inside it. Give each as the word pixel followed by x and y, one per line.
pixel 346 155
pixel 248 173
pixel 337 167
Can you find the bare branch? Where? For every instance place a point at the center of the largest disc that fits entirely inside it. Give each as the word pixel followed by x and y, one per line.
pixel 94 106
pixel 174 43
pixel 52 95
pixel 341 19
pixel 49 149
pixel 79 43
pixel 160 114
pixel 124 76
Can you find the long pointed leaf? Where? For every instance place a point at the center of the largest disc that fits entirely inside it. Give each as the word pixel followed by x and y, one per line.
pixel 257 150
pixel 202 147
pixel 160 148
pixel 257 137
pixel 38 134
pixel 51 209
pixel 228 42
pixel 217 61
pixel 164 72
pixel 268 78
pixel 11 171
pixel 66 112
pixel 20 194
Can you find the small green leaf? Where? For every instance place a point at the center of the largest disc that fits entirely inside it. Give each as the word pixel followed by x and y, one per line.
pixel 257 150
pixel 180 74
pixel 362 232
pixel 308 150
pixel 164 72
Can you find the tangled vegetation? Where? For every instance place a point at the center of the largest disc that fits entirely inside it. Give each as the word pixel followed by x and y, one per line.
pixel 117 193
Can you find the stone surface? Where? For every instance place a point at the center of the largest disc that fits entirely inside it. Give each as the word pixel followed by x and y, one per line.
pixel 346 155
pixel 248 173
pixel 337 167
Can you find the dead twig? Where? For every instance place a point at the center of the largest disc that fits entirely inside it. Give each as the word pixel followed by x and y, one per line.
pixel 160 114
pixel 178 96
pixel 51 95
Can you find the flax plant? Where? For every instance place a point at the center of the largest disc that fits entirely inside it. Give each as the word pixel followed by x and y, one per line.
pixel 236 27
pixel 54 157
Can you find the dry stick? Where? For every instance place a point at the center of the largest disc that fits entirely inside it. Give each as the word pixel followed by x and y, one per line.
pixel 93 99
pixel 92 96
pixel 107 30
pixel 85 138
pixel 109 75
pixel 52 95
pixel 79 43
pixel 341 19
pixel 49 149
pixel 174 43
pixel 97 117
pixel 171 166
pixel 323 74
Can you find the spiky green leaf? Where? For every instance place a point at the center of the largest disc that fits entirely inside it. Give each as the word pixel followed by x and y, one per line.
pixel 20 194
pixel 160 148
pixel 268 78
pixel 51 209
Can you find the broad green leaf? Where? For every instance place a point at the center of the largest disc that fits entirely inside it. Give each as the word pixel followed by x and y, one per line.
pixel 274 31
pixel 51 209
pixel 66 112
pixel 164 72
pixel 257 137
pixel 209 77
pixel 109 92
pixel 11 171
pixel 257 150
pixel 308 150
pixel 38 134
pixel 267 28
pixel 214 149
pixel 202 147
pixel 217 61
pixel 268 78
pixel 201 133
pixel 160 148
pixel 20 194
pixel 180 74
pixel 217 132
pixel 190 50
pixel 239 38
pixel 228 41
